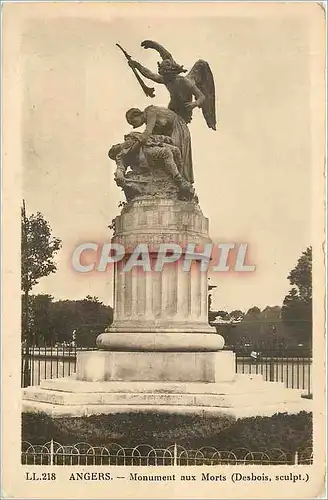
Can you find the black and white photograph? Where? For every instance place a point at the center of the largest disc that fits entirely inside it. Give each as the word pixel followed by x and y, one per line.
pixel 163 327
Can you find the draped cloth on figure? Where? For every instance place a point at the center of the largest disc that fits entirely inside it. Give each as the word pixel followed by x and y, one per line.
pixel 167 122
pixel 182 139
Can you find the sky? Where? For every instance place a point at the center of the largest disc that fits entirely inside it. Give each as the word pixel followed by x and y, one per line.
pixel 252 176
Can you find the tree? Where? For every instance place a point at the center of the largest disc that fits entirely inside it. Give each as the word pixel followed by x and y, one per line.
pixel 87 318
pixel 38 249
pixel 248 331
pixel 253 312
pixel 297 306
pixel 236 315
pixel 301 276
pixel 41 319
pixel 55 321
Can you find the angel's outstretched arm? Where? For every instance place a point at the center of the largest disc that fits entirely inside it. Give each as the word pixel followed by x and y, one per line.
pixel 146 72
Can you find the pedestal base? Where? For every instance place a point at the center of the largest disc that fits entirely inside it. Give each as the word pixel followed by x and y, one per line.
pixel 175 341
pixel 246 396
pixel 203 383
pixel 100 366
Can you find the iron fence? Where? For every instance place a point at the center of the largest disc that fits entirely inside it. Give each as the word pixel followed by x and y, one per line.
pixel 294 372
pixel 39 363
pixel 53 453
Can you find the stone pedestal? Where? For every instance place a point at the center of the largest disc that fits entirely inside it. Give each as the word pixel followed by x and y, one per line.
pixel 98 366
pixel 168 309
pixel 160 354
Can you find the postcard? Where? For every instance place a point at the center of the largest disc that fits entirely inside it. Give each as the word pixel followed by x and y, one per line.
pixel 163 250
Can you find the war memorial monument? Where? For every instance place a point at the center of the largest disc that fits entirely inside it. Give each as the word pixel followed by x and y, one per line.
pixel 160 354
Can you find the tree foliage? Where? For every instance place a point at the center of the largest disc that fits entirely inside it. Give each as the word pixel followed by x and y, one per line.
pixel 289 325
pixel 255 328
pixel 54 322
pixel 40 317
pixel 297 306
pixel 301 276
pixel 236 314
pixel 38 249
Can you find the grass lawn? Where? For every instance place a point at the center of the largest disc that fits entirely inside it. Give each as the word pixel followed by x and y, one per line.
pixel 288 432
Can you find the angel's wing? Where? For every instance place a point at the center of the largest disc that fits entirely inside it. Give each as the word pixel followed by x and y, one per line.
pixel 202 76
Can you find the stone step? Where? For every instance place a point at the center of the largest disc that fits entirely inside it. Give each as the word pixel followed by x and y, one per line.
pixel 227 399
pixel 242 384
pixel 237 412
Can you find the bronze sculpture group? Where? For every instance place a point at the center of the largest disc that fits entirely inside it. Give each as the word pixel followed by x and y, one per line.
pixel 158 161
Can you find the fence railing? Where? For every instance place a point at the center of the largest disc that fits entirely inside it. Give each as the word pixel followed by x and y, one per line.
pixel 294 372
pixel 39 363
pixel 53 453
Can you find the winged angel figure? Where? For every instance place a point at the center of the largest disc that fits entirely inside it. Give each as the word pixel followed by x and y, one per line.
pixel 198 84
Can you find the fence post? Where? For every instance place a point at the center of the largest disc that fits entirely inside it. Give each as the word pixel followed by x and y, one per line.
pixel 52 452
pixel 296 458
pixel 27 362
pixel 175 455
